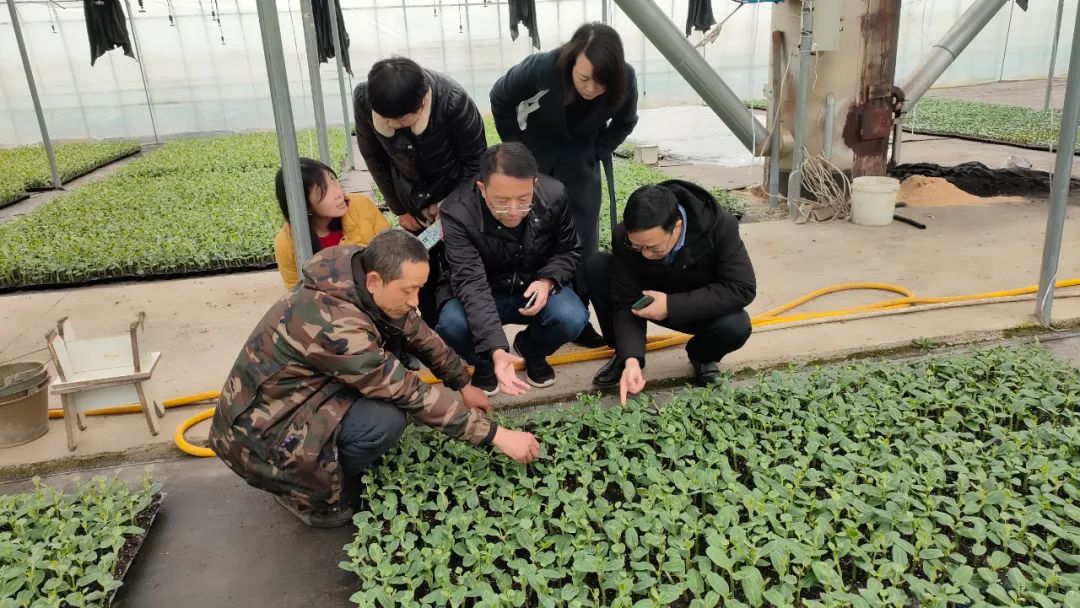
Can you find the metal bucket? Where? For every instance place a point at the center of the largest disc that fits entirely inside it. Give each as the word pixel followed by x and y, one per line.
pixel 24 403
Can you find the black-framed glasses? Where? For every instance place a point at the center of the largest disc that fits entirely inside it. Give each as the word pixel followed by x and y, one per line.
pixel 654 249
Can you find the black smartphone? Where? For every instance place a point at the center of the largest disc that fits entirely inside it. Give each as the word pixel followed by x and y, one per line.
pixel 643 302
pixel 532 300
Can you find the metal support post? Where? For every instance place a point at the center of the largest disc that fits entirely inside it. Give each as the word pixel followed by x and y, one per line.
pixel 317 105
pixel 658 28
pixel 270 29
pixel 604 17
pixel 794 191
pixel 827 135
pixel 346 118
pixel 897 139
pixel 34 96
pixel 941 56
pixel 1059 187
pixel 776 141
pixel 142 71
pixel 1053 54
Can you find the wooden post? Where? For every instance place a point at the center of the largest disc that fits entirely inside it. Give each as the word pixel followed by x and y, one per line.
pixel 871 118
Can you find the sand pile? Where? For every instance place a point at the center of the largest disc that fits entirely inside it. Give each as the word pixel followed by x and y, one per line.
pixel 922 191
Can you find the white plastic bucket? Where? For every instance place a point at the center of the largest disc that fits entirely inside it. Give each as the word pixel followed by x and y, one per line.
pixel 873 200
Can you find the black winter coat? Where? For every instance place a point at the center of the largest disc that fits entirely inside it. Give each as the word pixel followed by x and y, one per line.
pixel 711 275
pixel 485 258
pixel 415 171
pixel 533 91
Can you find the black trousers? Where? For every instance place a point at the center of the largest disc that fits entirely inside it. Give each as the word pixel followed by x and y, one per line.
pixel 369 429
pixel 713 338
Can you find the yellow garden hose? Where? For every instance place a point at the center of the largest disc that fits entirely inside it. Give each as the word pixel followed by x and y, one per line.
pixel 906 303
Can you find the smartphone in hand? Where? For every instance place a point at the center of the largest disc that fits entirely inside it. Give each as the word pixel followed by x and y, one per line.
pixel 532 300
pixel 643 302
pixel 431 235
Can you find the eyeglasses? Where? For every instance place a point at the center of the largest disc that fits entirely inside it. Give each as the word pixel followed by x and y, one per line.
pixel 654 249
pixel 508 209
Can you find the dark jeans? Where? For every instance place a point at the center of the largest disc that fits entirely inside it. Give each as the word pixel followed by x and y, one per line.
pixel 713 338
pixel 557 323
pixel 369 429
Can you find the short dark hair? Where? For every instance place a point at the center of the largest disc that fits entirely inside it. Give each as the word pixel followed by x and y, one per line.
pixel 604 49
pixel 389 250
pixel 396 87
pixel 649 207
pixel 313 175
pixel 512 159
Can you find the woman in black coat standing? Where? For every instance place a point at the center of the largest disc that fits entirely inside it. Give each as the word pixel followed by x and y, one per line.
pixel 572 107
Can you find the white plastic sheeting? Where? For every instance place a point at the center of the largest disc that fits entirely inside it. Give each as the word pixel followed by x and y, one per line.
pixel 199 85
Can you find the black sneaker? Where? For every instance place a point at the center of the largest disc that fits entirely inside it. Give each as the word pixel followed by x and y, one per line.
pixel 537 371
pixel 483 378
pixel 610 374
pixel 589 338
pixel 706 372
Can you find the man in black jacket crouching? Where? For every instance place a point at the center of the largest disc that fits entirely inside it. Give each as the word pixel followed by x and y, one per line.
pixel 512 251
pixel 677 260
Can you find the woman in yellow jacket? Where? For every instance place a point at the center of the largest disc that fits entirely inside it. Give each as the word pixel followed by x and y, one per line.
pixel 334 217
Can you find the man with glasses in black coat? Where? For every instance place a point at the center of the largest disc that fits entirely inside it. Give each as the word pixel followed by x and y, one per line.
pixel 677 260
pixel 511 252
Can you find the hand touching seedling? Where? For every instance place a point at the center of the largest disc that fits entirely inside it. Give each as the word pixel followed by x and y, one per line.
pixel 519 446
pixel 632 381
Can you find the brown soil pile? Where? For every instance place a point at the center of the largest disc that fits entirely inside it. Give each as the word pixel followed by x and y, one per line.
pixel 922 191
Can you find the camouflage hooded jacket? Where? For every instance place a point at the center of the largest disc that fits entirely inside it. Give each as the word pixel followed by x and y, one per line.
pixel 311 356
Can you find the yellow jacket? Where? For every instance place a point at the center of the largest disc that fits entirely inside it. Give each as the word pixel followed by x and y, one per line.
pixel 359 224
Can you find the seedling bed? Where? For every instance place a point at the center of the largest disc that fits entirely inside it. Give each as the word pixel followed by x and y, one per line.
pixel 72 549
pixel 949 481
pixel 134 543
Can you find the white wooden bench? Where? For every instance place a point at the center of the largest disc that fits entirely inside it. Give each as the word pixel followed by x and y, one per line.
pixel 101 372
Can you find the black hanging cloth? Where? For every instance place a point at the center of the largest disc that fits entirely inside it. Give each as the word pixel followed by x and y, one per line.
pixel 524 12
pixel 106 28
pixel 324 36
pixel 699 16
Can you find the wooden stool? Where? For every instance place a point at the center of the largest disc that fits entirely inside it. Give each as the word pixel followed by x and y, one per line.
pixel 101 372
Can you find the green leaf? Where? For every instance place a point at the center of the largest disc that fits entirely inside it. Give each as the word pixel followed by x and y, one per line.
pixel 962 575
pixel 718 556
pixel 998 560
pixel 753 585
pixel 717 583
pixel 826 574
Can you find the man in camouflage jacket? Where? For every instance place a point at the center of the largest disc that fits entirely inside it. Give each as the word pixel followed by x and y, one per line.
pixel 319 392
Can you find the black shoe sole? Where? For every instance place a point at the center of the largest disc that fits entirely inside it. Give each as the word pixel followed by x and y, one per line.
pixel 543 384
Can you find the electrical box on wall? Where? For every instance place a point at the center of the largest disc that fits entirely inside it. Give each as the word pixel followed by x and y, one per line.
pixel 827 25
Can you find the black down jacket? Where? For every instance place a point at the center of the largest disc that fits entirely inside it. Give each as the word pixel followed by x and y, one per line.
pixel 417 170
pixel 711 276
pixel 485 258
